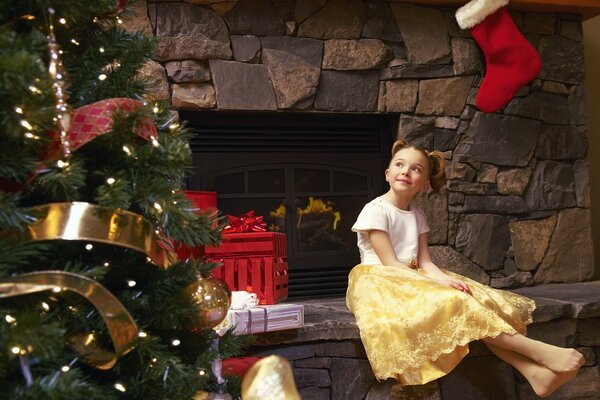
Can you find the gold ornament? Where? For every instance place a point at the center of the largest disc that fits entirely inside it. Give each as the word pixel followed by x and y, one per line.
pixel 201 395
pixel 212 301
pixel 224 285
pixel 85 221
pixel 119 323
pixel 270 378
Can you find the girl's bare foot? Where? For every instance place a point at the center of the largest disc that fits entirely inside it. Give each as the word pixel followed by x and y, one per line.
pixel 544 381
pixel 559 359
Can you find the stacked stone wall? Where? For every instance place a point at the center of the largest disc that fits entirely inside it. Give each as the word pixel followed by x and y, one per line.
pixel 516 209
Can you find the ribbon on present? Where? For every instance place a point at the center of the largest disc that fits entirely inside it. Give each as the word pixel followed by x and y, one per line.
pixel 245 223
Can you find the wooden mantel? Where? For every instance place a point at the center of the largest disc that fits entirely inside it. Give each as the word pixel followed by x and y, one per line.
pixel 587 8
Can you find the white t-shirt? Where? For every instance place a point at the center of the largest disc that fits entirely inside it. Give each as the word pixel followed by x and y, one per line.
pixel 403 227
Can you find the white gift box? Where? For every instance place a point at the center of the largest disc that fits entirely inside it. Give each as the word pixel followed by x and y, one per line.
pixel 270 318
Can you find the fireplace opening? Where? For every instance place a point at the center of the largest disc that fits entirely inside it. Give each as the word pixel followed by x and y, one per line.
pixel 307 174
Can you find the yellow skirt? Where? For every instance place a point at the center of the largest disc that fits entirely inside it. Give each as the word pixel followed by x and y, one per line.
pixel 416 330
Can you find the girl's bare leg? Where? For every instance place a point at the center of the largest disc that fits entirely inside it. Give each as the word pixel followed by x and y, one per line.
pixel 557 359
pixel 543 381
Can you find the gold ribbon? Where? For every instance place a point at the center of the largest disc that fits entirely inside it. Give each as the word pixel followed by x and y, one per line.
pixel 120 325
pixel 85 221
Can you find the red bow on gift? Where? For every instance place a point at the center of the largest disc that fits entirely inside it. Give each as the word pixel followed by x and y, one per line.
pixel 245 223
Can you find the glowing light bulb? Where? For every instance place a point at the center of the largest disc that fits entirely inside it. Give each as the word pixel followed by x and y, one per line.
pixel 126 150
pixel 18 110
pixel 10 319
pixel 142 334
pixel 15 350
pixel 131 283
pixel 45 306
pixel 89 246
pixel 62 21
pixel 110 181
pixel 65 368
pixel 158 207
pixel 101 49
pixel 26 124
pixel 176 342
pixel 102 77
pixel 120 387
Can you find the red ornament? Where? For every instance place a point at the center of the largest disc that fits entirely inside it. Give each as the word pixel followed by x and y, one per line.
pixel 238 366
pixel 245 223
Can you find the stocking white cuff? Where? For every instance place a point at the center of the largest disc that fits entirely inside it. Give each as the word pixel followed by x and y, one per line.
pixel 476 11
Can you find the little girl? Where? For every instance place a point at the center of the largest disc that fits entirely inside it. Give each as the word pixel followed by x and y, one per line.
pixel 416 319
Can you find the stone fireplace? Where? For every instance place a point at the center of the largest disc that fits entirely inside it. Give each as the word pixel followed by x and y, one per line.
pixel 516 209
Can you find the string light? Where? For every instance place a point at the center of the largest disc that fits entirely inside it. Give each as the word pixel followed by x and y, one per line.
pixel 126 150
pixel 176 342
pixel 155 142
pixel 106 264
pixel 110 181
pixel 102 77
pixel 30 135
pixel 55 69
pixel 56 289
pixel 75 42
pixel 142 334
pixel 10 319
pixel 119 20
pixel 15 350
pixel 201 372
pixel 18 110
pixel 131 283
pixel 45 306
pixel 65 368
pixel 89 246
pixel 101 49
pixel 34 89
pixel 155 109
pixel 26 124
pixel 120 387
pixel 62 164
pixel 158 207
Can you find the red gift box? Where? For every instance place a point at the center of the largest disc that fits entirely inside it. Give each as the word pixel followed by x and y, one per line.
pixel 203 201
pixel 255 262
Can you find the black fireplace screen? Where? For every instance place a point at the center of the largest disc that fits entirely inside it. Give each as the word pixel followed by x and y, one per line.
pixel 307 174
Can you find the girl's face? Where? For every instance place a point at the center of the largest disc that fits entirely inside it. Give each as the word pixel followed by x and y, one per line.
pixel 408 172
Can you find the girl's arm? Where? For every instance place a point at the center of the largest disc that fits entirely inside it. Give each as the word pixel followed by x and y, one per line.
pixel 380 240
pixel 424 261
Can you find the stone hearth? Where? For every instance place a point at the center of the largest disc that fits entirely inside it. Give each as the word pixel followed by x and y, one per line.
pixel 330 362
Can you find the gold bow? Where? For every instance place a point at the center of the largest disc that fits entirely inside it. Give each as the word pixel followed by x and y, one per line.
pixel 270 378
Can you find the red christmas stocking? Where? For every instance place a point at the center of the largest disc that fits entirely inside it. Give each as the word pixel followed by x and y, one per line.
pixel 511 60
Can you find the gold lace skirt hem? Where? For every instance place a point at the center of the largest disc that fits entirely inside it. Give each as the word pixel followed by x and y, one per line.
pixel 416 330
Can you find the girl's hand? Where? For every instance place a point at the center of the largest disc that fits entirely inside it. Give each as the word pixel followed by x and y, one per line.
pixel 455 283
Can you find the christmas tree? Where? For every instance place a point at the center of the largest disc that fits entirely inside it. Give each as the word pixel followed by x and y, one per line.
pixel 92 303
